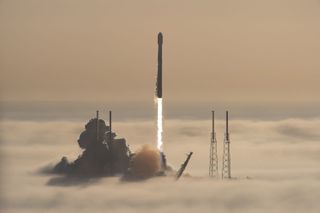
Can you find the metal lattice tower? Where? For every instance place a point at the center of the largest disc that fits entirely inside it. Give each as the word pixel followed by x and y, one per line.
pixel 226 159
pixel 213 164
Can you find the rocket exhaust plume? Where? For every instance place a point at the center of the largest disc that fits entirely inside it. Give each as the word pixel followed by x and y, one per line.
pixel 145 162
pixel 159 125
pixel 159 101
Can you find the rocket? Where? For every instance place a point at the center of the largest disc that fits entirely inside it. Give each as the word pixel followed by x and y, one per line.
pixel 159 75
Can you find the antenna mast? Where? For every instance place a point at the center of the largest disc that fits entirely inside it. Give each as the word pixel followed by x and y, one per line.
pixel 213 163
pixel 110 125
pixel 97 117
pixel 226 162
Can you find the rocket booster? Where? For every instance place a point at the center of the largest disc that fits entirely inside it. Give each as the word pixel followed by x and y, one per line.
pixel 159 75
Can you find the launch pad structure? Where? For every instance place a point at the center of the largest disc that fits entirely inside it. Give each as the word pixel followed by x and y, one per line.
pixel 213 157
pixel 226 157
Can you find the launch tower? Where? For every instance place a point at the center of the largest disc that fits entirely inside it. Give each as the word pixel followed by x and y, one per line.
pixel 213 164
pixel 226 159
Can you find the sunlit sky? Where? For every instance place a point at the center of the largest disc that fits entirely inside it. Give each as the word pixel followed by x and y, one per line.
pixel 244 51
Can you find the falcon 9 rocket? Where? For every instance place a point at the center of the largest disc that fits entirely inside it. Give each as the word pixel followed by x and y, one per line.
pixel 159 75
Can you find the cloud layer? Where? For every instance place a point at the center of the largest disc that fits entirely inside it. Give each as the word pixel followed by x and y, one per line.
pixel 275 165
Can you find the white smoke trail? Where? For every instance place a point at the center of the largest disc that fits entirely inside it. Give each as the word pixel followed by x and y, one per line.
pixel 159 126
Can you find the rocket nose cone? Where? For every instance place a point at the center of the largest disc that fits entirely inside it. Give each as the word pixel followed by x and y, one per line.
pixel 160 38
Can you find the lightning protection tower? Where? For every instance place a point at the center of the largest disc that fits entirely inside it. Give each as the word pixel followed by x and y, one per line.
pixel 213 164
pixel 226 159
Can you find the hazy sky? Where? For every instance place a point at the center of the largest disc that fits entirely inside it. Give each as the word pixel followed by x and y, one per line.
pixel 235 50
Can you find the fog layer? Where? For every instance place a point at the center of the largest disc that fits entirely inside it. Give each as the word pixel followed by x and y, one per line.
pixel 275 165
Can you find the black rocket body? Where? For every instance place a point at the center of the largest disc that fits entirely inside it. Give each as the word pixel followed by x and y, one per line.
pixel 159 74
